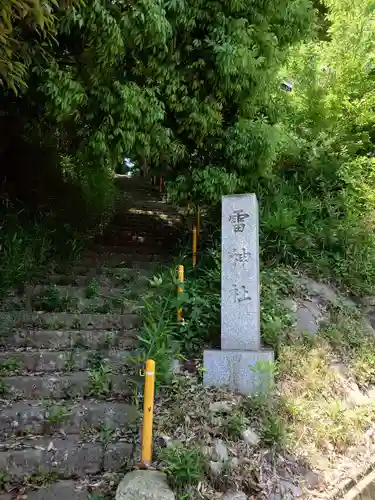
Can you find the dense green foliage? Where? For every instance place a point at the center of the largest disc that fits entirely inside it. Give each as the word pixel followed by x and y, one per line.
pixel 311 162
pixel 191 89
pixel 320 204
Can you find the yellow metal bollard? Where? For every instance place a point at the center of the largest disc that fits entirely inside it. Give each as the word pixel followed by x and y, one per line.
pixel 194 246
pixel 148 413
pixel 180 290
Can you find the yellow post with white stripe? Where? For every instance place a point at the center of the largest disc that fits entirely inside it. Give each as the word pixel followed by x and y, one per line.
pixel 148 413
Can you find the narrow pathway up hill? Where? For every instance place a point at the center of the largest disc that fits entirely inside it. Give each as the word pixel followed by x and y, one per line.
pixel 67 423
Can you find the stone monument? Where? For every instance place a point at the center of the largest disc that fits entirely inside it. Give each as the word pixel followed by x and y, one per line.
pixel 233 365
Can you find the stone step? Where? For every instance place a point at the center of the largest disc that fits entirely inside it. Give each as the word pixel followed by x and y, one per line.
pixel 121 247
pixel 144 224
pixel 103 278
pixel 67 458
pixel 120 304
pixel 60 490
pixel 92 259
pixel 145 213
pixel 148 217
pixel 80 292
pixel 68 360
pixel 69 339
pixel 126 269
pixel 123 241
pixel 133 204
pixel 73 321
pixel 95 383
pixel 124 244
pixel 40 417
pixel 92 298
pixel 153 227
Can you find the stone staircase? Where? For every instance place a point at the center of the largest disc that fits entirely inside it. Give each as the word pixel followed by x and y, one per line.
pixel 68 422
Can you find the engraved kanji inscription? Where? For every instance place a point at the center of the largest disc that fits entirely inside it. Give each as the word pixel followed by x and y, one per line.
pixel 240 256
pixel 240 293
pixel 238 220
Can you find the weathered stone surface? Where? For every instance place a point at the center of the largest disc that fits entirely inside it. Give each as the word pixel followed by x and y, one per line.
pixel 115 455
pixel 288 488
pixel 233 369
pixel 368 301
pixel 323 291
pixel 68 339
pixel 309 316
pixel 118 298
pixel 67 457
pixel 250 437
pixel 34 417
pixel 67 360
pixel 369 310
pixel 62 490
pixel 234 463
pixel 312 479
pixel 220 453
pixel 240 307
pixel 325 294
pixel 241 351
pixel 115 260
pixel 77 291
pixel 290 304
pixel 239 495
pixel 103 278
pixel 77 321
pixel 216 467
pixel 100 270
pixel 144 485
pixel 60 386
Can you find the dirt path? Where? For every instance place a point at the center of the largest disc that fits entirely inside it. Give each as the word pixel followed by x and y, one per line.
pixel 67 422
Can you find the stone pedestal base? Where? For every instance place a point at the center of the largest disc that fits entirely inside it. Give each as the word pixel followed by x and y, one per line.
pixel 235 370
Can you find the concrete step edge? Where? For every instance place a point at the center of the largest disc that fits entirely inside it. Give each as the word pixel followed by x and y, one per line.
pixel 67 360
pixel 65 458
pixel 33 417
pixel 69 339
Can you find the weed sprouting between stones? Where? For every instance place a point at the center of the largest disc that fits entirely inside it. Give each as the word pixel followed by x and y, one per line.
pixel 56 414
pixel 92 289
pixel 4 479
pixel 53 300
pixel 100 381
pixel 10 366
pixel 185 466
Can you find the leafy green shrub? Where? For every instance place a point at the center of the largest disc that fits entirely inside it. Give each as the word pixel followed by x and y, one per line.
pixel 201 305
pixel 184 466
pixel 158 336
pixel 92 289
pixel 276 319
